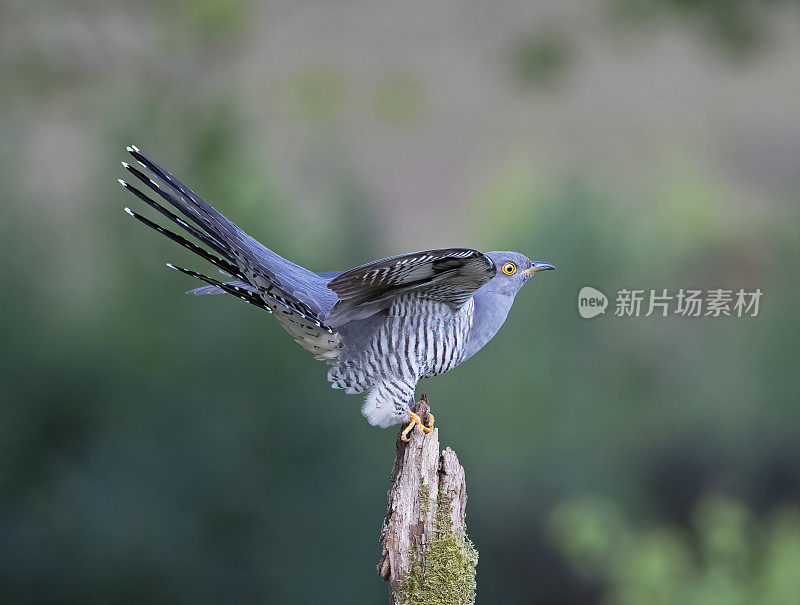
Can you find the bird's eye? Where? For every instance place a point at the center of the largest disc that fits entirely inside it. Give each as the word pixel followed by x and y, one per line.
pixel 509 268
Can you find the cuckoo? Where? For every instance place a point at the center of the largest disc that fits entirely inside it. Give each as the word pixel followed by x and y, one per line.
pixel 381 327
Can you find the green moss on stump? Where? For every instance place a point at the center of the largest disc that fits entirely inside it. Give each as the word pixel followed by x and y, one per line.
pixel 424 496
pixel 449 577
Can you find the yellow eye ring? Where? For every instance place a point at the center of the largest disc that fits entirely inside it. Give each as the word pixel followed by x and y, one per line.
pixel 509 268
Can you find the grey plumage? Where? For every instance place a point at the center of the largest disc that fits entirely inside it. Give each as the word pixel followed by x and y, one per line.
pixel 381 326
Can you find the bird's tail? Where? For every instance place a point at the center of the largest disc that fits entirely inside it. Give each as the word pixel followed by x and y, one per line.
pixel 261 277
pixel 217 290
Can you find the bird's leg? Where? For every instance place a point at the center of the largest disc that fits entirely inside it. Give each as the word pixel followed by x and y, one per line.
pixel 423 408
pixel 419 409
pixel 415 420
pixel 428 428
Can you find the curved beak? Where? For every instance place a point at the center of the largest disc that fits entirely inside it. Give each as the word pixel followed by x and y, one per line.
pixel 538 266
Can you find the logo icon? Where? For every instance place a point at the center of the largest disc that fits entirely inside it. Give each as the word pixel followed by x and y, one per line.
pixel 591 302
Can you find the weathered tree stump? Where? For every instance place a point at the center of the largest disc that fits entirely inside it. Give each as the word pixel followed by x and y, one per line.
pixel 427 557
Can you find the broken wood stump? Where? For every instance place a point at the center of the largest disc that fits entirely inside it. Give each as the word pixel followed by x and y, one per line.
pixel 426 555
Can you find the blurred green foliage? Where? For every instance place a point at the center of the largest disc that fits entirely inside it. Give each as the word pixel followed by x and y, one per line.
pixel 318 93
pixel 207 21
pixel 399 99
pixel 738 28
pixel 730 556
pixel 541 58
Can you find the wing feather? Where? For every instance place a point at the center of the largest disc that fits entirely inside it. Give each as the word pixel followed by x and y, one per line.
pixel 449 275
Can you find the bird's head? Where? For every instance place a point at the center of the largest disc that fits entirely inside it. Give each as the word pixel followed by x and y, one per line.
pixel 513 270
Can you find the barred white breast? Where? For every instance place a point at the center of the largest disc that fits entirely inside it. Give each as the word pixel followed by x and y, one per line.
pixel 419 338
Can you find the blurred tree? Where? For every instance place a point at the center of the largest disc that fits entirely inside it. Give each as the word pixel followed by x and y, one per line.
pixel 729 557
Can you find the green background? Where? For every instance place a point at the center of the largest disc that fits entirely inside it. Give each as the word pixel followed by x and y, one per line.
pixel 169 449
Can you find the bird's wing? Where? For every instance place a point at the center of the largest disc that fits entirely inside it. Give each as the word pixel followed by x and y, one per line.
pixel 271 282
pixel 450 276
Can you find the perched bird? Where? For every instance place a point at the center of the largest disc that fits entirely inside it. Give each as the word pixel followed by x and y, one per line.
pixel 381 326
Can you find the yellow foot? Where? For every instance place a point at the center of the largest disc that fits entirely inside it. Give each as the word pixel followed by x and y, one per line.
pixel 415 420
pixel 428 428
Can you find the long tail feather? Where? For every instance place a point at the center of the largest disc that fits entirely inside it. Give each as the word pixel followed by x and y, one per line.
pixel 202 290
pixel 239 255
pixel 239 244
pixel 201 236
pixel 214 223
pixel 199 204
pixel 244 294
pixel 219 262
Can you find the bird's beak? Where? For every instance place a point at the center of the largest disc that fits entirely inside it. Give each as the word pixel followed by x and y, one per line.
pixel 538 266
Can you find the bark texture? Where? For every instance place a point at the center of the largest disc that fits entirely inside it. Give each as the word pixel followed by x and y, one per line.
pixel 424 533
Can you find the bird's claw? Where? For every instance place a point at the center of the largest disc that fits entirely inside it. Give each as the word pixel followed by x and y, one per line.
pixel 414 421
